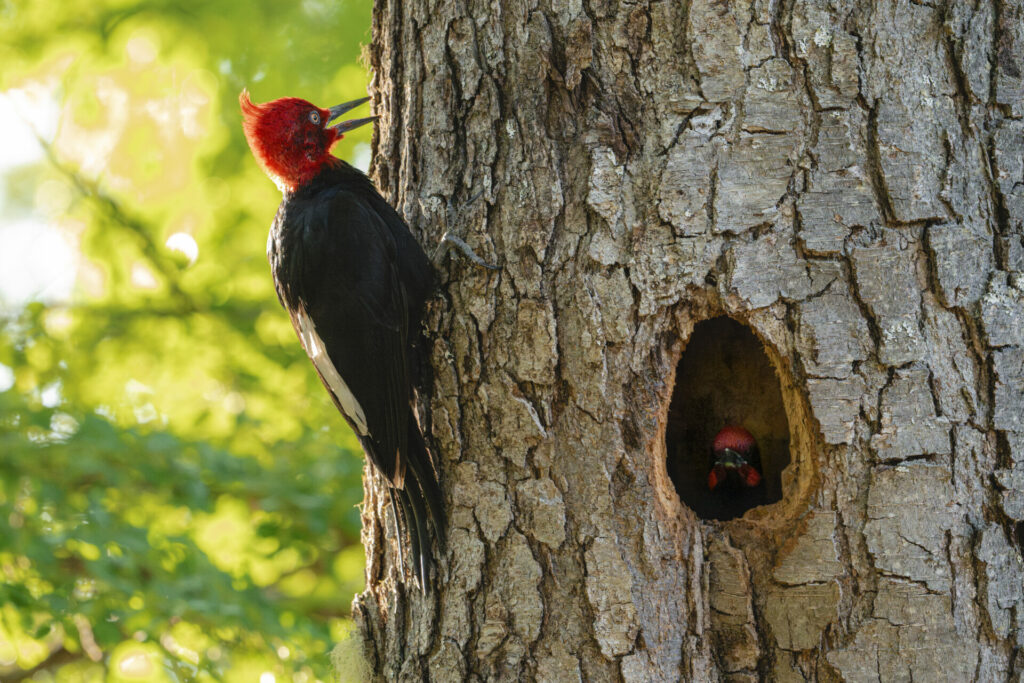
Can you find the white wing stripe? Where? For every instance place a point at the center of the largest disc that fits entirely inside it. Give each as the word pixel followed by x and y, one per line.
pixel 314 346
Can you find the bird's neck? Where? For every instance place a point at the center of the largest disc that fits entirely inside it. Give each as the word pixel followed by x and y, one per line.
pixel 316 175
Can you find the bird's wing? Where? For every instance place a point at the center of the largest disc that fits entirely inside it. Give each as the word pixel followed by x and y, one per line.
pixel 352 318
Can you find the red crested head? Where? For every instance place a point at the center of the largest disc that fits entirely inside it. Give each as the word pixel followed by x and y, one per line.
pixel 290 137
pixel 735 438
pixel 734 458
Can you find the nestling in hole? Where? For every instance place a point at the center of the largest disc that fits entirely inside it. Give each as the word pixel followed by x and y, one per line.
pixel 727 437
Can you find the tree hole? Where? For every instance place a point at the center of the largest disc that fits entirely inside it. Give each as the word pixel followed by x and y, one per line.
pixel 725 378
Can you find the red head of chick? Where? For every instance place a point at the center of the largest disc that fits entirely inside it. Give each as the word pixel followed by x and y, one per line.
pixel 735 460
pixel 291 138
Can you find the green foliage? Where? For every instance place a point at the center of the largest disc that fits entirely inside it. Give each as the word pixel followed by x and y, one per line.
pixel 178 495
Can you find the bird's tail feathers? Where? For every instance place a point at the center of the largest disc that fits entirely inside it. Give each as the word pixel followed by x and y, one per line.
pixel 419 536
pixel 404 513
pixel 430 490
pixel 420 500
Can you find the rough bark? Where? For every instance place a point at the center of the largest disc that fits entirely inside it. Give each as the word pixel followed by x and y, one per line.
pixel 846 179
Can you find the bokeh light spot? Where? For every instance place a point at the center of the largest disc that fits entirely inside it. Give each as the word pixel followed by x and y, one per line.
pixel 184 244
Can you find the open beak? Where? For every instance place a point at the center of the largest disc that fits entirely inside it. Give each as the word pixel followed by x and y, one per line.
pixel 340 109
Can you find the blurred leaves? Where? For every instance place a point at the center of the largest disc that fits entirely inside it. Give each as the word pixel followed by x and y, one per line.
pixel 177 494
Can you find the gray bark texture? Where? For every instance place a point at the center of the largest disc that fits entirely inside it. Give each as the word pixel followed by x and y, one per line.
pixel 844 178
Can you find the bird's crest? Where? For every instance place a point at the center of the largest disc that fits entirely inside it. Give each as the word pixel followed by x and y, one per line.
pixel 289 138
pixel 734 437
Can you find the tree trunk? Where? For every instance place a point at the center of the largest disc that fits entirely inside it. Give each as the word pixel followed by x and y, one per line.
pixel 844 180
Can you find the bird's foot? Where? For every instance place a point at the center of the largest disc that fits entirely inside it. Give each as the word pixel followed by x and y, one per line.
pixel 450 239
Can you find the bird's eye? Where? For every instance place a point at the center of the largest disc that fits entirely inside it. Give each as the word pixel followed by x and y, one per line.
pixel 314 116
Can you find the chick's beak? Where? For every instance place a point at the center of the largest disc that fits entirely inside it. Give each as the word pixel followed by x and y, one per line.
pixel 731 459
pixel 345 126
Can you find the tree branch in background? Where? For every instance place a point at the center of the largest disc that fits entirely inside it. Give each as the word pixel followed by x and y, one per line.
pixel 118 215
pixel 58 657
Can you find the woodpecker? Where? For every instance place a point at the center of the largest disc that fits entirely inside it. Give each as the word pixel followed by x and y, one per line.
pixel 354 282
pixel 735 461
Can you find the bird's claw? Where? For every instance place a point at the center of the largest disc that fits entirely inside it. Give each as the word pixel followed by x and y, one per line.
pixel 449 239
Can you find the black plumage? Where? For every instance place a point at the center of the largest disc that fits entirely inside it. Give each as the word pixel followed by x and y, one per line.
pixel 354 281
